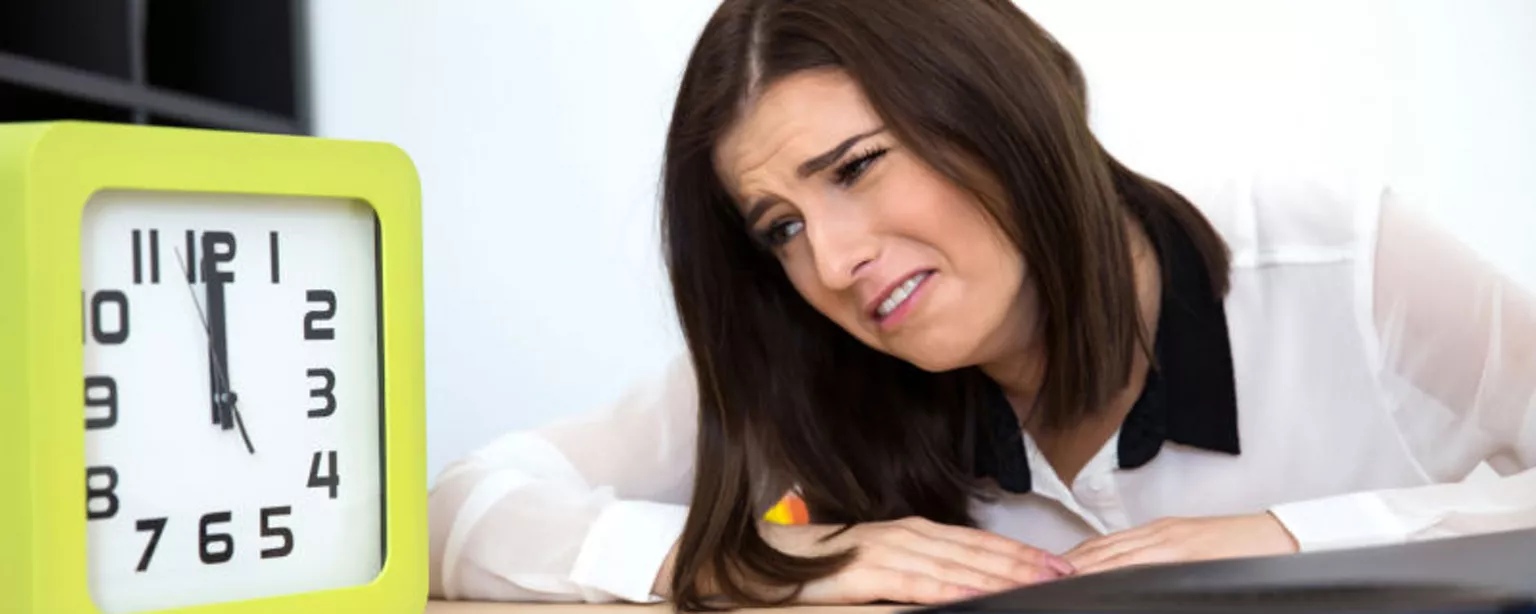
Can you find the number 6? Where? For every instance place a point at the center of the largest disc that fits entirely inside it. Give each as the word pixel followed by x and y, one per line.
pixel 206 539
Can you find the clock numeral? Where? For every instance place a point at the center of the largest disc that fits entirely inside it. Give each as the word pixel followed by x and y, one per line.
pixel 106 494
pixel 214 547
pixel 206 539
pixel 272 241
pixel 118 331
pixel 106 388
pixel 312 331
pixel 154 256
pixel 157 525
pixel 213 256
pixel 138 257
pixel 189 268
pixel 138 260
pixel 325 391
pixel 331 481
pixel 283 533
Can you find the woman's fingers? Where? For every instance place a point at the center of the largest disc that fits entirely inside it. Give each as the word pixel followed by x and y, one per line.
pixel 1093 557
pixel 1139 554
pixel 917 562
pixel 887 584
pixel 945 569
pixel 918 588
pixel 1012 569
pixel 992 542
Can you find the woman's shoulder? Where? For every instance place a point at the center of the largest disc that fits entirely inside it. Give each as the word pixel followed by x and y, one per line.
pixel 1288 214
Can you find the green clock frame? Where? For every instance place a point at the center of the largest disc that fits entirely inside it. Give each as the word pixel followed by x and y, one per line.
pixel 48 172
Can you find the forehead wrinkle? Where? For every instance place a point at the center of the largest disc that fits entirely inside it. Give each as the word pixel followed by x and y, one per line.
pixel 750 173
pixel 793 124
pixel 747 177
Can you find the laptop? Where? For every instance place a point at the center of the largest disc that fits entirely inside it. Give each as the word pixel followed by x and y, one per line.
pixel 1486 573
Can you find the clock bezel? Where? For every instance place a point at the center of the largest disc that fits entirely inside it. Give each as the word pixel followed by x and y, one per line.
pixel 53 170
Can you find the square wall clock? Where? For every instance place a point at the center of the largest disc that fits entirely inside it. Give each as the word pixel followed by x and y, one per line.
pixel 211 379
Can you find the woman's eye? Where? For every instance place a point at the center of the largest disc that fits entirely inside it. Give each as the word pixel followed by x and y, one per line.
pixel 780 232
pixel 851 170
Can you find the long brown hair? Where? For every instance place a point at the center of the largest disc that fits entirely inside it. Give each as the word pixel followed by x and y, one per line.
pixel 786 397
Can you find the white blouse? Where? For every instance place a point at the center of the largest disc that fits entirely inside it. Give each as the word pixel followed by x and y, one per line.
pixel 1375 362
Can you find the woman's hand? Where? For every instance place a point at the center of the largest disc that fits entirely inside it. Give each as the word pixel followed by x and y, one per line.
pixel 914 560
pixel 1177 540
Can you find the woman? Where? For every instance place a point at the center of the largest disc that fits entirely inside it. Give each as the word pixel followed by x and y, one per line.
pixel 918 294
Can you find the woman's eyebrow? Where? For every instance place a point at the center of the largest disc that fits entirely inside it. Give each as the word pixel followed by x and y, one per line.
pixel 759 207
pixel 806 169
pixel 816 164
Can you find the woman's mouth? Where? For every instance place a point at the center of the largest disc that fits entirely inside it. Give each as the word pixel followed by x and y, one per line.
pixel 899 300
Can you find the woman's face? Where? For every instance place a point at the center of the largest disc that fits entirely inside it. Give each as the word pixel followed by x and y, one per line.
pixel 871 236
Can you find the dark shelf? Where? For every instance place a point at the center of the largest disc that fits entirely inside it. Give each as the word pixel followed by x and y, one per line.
pixel 216 64
pixel 239 53
pixel 77 84
pixel 91 35
pixel 161 120
pixel 22 104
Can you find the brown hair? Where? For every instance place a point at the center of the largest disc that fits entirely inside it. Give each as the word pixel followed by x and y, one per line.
pixel 788 398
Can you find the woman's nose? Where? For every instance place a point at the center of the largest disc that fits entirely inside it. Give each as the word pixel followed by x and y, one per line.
pixel 842 243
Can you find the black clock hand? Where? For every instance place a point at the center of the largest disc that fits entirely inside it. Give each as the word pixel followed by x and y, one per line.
pixel 223 400
pixel 213 282
pixel 216 383
pixel 235 410
pixel 218 347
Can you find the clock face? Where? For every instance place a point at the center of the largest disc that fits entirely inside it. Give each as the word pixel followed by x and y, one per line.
pixel 232 397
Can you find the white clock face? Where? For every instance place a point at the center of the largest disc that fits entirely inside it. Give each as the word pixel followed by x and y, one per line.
pixel 232 392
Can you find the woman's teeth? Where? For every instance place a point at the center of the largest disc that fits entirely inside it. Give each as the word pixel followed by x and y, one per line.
pixel 899 295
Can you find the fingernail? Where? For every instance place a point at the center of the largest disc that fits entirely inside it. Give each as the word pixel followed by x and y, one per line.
pixel 1061 565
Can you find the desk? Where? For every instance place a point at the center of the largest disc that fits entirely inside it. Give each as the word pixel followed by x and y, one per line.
pixel 468 607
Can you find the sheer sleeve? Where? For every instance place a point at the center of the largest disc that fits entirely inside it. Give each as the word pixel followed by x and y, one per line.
pixel 1457 340
pixel 584 510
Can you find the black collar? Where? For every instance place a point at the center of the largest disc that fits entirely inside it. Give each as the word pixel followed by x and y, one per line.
pixel 1189 397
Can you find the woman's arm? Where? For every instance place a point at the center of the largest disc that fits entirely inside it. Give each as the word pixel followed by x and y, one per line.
pixel 1452 329
pixel 585 510
pixel 1457 332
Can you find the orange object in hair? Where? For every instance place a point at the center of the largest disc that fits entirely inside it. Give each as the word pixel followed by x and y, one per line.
pixel 789 510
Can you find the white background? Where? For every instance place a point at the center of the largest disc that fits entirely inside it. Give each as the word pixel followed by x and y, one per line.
pixel 537 127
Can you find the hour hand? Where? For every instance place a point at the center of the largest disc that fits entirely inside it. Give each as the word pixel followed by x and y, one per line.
pixel 220 395
pixel 214 282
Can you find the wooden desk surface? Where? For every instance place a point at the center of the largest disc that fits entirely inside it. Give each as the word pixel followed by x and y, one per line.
pixel 468 607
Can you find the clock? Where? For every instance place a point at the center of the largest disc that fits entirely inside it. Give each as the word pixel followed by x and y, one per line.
pixel 211 389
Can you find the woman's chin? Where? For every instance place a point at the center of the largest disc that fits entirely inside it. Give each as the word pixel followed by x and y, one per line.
pixel 937 359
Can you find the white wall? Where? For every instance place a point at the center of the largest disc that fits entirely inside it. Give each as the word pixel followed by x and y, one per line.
pixel 537 128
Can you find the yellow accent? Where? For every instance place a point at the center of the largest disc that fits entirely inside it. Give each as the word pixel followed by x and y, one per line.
pixel 789 510
pixel 779 513
pixel 48 171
